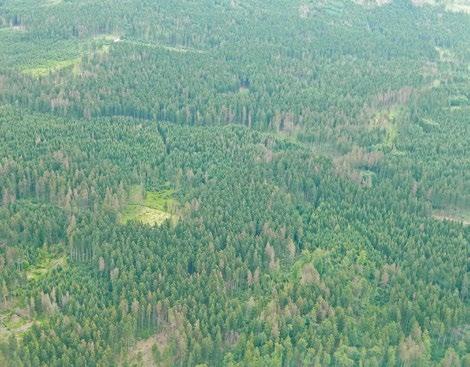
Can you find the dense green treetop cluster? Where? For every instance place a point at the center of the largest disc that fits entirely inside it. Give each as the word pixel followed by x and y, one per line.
pixel 311 158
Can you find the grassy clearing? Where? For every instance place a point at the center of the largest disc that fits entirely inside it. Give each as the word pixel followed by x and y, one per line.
pixel 453 214
pixel 445 55
pixel 45 264
pixel 151 208
pixel 51 66
pixel 17 323
pixel 15 320
pixel 384 118
pixel 53 2
pixel 58 60
pixel 391 137
pixel 141 354
pixel 39 57
pixel 8 29
pixel 387 120
pixel 143 214
pixel 144 352
pixel 158 46
pixel 372 3
pixel 244 90
pixel 21 52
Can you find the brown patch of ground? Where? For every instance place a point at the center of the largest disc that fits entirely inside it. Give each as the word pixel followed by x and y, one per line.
pixel 15 324
pixel 141 354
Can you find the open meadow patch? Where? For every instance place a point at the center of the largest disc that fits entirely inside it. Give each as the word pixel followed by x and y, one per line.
pixel 51 66
pixel 46 263
pixel 148 207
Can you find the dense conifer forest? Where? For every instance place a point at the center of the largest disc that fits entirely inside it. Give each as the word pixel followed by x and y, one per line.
pixel 234 183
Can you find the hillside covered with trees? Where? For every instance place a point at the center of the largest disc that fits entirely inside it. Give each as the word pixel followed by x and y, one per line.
pixel 234 183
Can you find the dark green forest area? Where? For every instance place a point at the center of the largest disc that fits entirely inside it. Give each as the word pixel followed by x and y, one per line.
pixel 234 183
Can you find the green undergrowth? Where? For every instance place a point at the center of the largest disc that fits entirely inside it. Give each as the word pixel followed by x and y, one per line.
pixel 148 207
pixel 453 214
pixel 51 66
pixel 39 57
pixel 47 261
pixel 158 46
pixel 16 317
